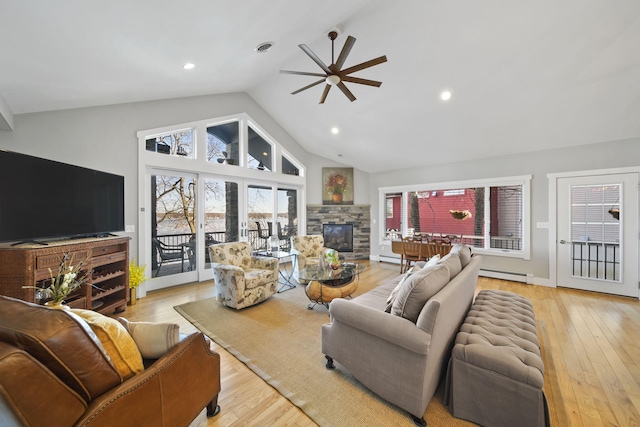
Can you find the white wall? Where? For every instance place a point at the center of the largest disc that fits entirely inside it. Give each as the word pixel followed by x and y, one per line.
pixel 624 153
pixel 104 138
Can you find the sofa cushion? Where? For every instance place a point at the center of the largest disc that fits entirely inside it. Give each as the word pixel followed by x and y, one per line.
pixel 417 289
pixel 115 339
pixel 62 342
pixel 463 251
pixel 153 339
pixel 452 261
pixel 392 296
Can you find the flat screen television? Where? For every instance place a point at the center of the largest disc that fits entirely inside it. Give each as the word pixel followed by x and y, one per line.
pixel 43 200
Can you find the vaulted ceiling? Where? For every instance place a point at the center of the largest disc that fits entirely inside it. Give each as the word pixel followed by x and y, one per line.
pixel 524 75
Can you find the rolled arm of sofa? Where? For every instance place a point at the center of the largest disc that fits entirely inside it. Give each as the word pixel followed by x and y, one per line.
pixel 394 329
pixel 171 392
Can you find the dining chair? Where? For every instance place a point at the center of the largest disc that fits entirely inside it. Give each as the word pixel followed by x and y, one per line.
pixel 411 252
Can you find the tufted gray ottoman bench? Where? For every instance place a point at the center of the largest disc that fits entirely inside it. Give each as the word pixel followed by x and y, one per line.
pixel 495 373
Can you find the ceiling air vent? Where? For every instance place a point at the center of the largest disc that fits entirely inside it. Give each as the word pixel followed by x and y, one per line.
pixel 264 47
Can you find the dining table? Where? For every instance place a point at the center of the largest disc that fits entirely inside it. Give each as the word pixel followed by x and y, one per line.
pixel 429 249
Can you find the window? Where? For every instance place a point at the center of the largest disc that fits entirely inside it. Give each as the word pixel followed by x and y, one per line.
pixel 289 167
pixel 178 143
pixel 259 155
pixel 223 143
pixel 489 215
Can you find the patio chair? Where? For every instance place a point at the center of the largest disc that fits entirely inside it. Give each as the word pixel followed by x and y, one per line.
pixel 264 235
pixel 169 253
pixel 285 242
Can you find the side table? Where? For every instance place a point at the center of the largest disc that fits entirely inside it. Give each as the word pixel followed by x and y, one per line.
pixel 285 276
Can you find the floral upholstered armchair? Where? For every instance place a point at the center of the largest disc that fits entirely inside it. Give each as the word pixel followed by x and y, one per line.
pixel 308 249
pixel 242 280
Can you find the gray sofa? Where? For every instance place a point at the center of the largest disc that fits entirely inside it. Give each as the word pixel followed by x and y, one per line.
pixel 400 350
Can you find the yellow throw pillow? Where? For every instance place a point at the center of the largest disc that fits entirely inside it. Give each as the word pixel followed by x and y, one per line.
pixel 117 342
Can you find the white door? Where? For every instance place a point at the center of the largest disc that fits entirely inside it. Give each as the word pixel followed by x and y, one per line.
pixel 597 241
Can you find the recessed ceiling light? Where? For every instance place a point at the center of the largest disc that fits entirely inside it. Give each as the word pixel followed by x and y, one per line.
pixel 188 66
pixel 335 130
pixel 445 95
pixel 264 153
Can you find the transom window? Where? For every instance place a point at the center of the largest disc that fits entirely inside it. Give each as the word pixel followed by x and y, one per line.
pixel 490 215
pixel 177 143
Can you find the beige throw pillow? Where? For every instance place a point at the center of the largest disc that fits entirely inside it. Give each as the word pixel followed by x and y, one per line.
pixel 392 296
pixel 452 261
pixel 417 289
pixel 153 339
pixel 464 252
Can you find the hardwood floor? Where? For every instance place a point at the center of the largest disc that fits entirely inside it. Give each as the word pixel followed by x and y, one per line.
pixel 590 346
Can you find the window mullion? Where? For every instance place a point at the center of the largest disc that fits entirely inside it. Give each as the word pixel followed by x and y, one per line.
pixel 486 244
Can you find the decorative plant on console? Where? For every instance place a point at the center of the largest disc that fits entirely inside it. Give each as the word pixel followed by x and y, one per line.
pixel 136 278
pixel 66 280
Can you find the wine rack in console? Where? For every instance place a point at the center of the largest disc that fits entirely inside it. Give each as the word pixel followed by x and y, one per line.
pixel 106 262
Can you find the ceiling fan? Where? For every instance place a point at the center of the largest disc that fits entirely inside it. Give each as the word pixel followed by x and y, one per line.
pixel 333 74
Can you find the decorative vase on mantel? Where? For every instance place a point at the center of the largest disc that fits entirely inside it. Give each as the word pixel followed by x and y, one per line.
pixel 58 305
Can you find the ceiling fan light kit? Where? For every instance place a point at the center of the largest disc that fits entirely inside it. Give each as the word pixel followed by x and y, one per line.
pixel 334 75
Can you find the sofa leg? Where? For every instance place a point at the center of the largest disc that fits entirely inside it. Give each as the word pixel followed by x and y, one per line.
pixel 213 408
pixel 330 364
pixel 420 422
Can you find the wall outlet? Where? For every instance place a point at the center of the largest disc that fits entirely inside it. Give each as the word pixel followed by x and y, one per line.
pixel 543 225
pixel 129 228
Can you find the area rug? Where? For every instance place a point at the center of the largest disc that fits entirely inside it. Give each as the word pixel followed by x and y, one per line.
pixel 280 341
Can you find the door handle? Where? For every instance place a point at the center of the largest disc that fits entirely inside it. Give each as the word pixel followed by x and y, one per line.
pixel 563 242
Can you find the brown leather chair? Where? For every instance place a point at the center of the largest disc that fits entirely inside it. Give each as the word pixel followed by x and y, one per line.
pixel 55 372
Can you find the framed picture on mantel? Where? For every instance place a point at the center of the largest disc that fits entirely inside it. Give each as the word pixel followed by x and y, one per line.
pixel 337 184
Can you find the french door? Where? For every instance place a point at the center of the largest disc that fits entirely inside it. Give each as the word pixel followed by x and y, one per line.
pixel 597 233
pixel 189 212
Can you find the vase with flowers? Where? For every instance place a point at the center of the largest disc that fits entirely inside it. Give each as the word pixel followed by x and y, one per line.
pixel 136 278
pixel 67 279
pixel 336 186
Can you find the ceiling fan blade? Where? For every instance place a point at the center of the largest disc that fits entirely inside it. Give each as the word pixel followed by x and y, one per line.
pixel 346 91
pixel 315 58
pixel 307 86
pixel 302 73
pixel 325 93
pixel 364 65
pixel 345 51
pixel 361 81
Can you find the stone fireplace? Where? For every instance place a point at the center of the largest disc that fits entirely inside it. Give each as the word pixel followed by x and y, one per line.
pixel 358 216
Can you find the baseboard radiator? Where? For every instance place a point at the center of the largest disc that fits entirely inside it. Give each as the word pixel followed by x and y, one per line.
pixel 507 275
pixel 494 274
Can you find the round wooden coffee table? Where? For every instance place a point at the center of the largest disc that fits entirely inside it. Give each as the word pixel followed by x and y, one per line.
pixel 325 285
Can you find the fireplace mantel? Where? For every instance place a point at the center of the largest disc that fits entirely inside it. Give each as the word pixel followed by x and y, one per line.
pixel 358 215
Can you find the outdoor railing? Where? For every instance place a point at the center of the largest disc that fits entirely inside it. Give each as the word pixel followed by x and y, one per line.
pixel 187 239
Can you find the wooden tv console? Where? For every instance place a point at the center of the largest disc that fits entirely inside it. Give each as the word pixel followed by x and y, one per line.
pixel 106 260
